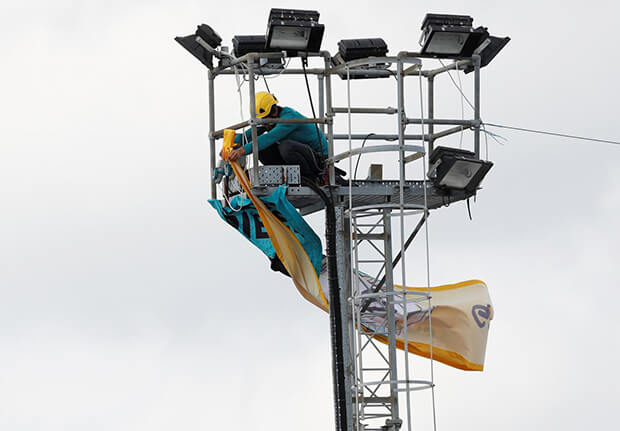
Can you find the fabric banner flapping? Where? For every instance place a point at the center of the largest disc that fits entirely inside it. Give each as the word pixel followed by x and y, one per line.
pixel 459 314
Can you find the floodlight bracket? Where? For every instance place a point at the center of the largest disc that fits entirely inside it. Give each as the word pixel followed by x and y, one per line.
pixel 208 47
pixel 432 169
pixel 202 52
pixel 482 46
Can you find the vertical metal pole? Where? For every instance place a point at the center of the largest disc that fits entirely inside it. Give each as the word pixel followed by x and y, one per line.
pixel 330 124
pixel 343 249
pixel 402 120
pixel 431 112
pixel 357 344
pixel 388 241
pixel 476 60
pixel 211 130
pixel 321 100
pixel 255 181
pixel 389 288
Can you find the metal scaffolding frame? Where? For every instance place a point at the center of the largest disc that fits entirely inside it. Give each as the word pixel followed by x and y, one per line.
pixel 376 384
pixel 248 63
pixel 364 213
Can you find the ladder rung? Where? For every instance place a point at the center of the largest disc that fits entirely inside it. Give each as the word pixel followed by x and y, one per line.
pixel 371 236
pixel 376 400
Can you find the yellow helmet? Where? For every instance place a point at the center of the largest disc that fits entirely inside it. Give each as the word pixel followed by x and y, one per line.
pixel 264 103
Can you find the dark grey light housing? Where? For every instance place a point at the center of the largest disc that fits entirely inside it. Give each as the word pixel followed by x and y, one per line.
pixel 352 49
pixel 452 168
pixel 294 30
pixel 450 35
pixel 209 36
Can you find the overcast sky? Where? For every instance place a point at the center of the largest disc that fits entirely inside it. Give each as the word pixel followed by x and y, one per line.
pixel 127 304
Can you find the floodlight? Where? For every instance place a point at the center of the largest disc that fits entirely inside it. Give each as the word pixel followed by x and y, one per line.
pixel 366 71
pixel 452 168
pixel 352 49
pixel 294 30
pixel 245 44
pixel 446 36
pixel 488 50
pixel 209 36
pixel 257 43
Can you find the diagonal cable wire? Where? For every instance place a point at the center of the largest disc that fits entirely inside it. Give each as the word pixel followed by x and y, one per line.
pixel 562 135
pixel 523 129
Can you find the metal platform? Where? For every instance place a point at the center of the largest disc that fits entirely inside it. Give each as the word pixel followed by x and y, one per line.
pixel 369 193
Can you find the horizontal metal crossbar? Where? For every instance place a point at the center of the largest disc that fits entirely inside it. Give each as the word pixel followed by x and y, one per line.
pixel 376 400
pixel 368 194
pixel 442 121
pixel 220 133
pixel 378 137
pixel 367 236
pixel 376 149
pixel 388 110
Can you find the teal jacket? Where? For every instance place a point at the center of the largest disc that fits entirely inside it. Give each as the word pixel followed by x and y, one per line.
pixel 300 132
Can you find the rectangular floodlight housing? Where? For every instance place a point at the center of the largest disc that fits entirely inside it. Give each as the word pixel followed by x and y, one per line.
pixel 294 30
pixel 243 45
pixel 441 152
pixel 352 49
pixel 379 70
pixel 494 46
pixel 210 37
pixel 458 169
pixel 449 20
pixel 452 41
pixel 294 14
pixel 251 43
pixel 458 174
pixel 450 36
pixel 194 48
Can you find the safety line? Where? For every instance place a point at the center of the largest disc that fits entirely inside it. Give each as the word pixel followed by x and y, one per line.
pixel 260 69
pixel 349 117
pixel 239 85
pixel 460 88
pixel 428 264
pixel 463 97
pixel 523 129
pixel 353 258
pixel 276 75
pixel 458 75
pixel 401 167
pixel 228 200
pixel 544 132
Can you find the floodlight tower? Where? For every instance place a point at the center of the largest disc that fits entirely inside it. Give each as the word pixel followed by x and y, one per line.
pixel 367 385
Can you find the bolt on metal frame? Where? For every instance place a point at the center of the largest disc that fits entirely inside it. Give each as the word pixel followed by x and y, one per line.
pixel 371 379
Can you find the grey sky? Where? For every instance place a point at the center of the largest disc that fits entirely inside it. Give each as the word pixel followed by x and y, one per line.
pixel 126 304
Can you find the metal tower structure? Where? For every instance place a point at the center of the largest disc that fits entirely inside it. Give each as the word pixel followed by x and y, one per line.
pixel 376 397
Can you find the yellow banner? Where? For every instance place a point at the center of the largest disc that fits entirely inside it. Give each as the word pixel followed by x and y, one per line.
pixel 460 313
pixel 287 246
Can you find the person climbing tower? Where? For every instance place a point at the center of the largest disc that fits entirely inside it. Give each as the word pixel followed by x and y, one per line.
pixel 301 144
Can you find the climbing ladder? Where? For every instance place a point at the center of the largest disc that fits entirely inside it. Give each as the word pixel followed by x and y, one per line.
pixel 374 303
